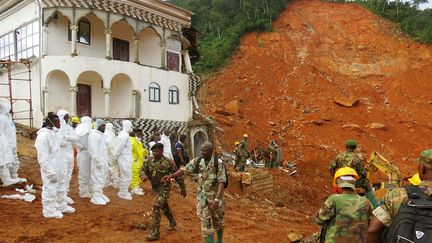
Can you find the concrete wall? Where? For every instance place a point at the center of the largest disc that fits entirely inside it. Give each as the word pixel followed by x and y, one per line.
pixel 150 48
pixel 141 77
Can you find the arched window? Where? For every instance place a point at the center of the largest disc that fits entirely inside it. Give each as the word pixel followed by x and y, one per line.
pixel 154 92
pixel 173 95
pixel 84 32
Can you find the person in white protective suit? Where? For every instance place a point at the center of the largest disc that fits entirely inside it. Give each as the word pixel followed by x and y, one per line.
pixel 165 140
pixel 113 167
pixel 52 171
pixel 67 139
pixel 83 157
pixel 124 158
pixel 98 150
pixel 9 162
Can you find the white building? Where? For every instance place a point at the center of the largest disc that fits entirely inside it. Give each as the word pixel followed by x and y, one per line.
pixel 116 59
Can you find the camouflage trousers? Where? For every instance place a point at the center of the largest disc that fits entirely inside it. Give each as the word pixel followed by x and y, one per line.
pixel 211 220
pixel 160 203
pixel 240 165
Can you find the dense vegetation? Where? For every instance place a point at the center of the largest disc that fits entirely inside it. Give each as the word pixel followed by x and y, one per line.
pixel 221 24
pixel 414 22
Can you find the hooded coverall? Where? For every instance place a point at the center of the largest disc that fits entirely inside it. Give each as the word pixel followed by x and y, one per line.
pixel 124 157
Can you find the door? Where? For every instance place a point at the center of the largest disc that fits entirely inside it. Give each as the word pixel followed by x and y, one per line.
pixel 120 50
pixel 84 100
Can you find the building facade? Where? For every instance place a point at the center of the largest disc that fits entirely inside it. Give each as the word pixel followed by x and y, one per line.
pixel 101 58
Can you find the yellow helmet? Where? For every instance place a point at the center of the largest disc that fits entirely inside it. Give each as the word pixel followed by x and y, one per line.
pixel 75 120
pixel 344 171
pixel 245 135
pixel 237 143
pixel 415 179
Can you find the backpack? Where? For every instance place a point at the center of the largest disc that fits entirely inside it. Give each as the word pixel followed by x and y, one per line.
pixel 216 166
pixel 413 222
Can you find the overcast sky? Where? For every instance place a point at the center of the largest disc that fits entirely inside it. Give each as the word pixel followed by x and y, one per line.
pixel 426 5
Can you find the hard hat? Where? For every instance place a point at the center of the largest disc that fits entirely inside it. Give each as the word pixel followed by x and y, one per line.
pixel 75 120
pixel 344 171
pixel 351 143
pixel 245 135
pixel 237 143
pixel 415 179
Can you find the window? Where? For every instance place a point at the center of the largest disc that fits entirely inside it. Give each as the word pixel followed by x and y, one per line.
pixel 7 46
pixel 120 50
pixel 154 92
pixel 84 32
pixel 173 95
pixel 27 40
pixel 173 61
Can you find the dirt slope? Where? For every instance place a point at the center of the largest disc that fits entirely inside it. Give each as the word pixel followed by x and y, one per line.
pixel 286 82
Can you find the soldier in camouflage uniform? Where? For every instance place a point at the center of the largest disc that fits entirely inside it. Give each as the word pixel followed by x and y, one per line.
pixel 210 195
pixel 156 167
pixel 386 212
pixel 351 159
pixel 345 215
pixel 240 158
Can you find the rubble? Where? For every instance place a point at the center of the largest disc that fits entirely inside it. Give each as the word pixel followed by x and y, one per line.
pixel 294 237
pixel 376 125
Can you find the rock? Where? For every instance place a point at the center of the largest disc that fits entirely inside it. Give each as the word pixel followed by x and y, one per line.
pixel 294 237
pixel 352 126
pixel 222 112
pixel 233 107
pixel 272 123
pixel 317 122
pixel 376 125
pixel 347 101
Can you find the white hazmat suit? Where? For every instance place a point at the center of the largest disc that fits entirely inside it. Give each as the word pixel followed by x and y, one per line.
pixel 124 157
pixel 67 139
pixel 165 140
pixel 113 167
pixel 52 172
pixel 97 148
pixel 83 157
pixel 9 162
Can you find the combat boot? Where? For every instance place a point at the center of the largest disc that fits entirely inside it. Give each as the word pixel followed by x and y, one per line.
pixel 172 225
pixel 153 237
pixel 209 239
pixel 219 235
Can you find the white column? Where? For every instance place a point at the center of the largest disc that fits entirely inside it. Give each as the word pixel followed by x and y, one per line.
pixel 133 105
pixel 46 100
pixel 73 107
pixel 136 45
pixel 188 65
pixel 45 41
pixel 107 93
pixel 74 30
pixel 108 41
pixel 163 61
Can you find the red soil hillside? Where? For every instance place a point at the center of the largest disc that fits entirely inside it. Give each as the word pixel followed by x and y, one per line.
pixel 286 83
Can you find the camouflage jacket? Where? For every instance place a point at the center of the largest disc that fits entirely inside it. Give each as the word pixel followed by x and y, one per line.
pixel 394 200
pixel 208 178
pixel 156 169
pixel 352 160
pixel 347 216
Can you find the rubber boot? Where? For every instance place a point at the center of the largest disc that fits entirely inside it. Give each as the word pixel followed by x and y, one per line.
pixel 5 177
pixel 369 195
pixel 209 239
pixel 219 235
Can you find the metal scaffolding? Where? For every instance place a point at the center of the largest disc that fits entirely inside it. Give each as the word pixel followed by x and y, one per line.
pixel 15 78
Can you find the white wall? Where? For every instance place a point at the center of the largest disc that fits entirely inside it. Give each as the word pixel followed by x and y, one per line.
pixel 58 44
pixel 150 48
pixel 141 77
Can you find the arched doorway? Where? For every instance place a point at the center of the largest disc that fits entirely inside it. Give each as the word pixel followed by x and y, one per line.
pixel 198 139
pixel 121 98
pixel 90 95
pixel 57 94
